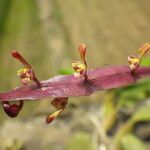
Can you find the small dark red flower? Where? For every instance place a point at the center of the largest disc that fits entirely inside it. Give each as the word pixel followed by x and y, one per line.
pixel 59 103
pixel 12 110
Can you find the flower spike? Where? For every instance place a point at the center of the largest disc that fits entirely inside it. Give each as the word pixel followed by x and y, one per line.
pixel 80 67
pixel 12 110
pixel 59 103
pixel 64 86
pixel 26 73
pixel 134 61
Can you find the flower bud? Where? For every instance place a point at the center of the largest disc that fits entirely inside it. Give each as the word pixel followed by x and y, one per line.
pixel 12 110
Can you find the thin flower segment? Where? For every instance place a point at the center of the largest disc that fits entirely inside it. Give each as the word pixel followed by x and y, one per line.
pixel 144 49
pixel 134 61
pixel 80 67
pixel 26 73
pixel 12 110
pixel 59 103
pixel 82 52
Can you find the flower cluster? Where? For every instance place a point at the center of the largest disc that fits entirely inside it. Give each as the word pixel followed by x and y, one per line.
pixel 27 75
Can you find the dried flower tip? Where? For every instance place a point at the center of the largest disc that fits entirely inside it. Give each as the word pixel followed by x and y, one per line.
pixel 18 56
pixel 82 51
pixel 144 49
pixel 134 62
pixel 12 110
pixel 60 102
pixel 51 117
pixel 79 67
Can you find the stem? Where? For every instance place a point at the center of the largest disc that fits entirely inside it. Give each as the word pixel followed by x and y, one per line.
pixel 37 82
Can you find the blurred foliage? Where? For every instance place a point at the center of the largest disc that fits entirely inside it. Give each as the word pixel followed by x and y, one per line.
pixel 141 114
pixel 146 61
pixel 130 96
pixel 131 142
pixel 65 71
pixel 80 141
pixel 13 144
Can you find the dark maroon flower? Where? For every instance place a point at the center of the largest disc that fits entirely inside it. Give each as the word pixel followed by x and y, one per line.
pixel 12 110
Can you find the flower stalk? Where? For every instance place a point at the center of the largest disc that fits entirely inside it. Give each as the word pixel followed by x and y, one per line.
pixel 83 83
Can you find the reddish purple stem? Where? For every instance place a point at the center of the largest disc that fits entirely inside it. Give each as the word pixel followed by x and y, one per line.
pixel 67 85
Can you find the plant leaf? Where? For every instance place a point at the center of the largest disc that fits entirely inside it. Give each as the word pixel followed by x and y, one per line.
pixel 143 114
pixel 131 142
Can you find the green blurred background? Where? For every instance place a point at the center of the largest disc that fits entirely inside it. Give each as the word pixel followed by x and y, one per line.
pixel 48 33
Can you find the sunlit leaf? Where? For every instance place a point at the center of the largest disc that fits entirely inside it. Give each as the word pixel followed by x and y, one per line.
pixel 131 95
pixel 146 61
pixel 143 114
pixel 131 142
pixel 65 71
